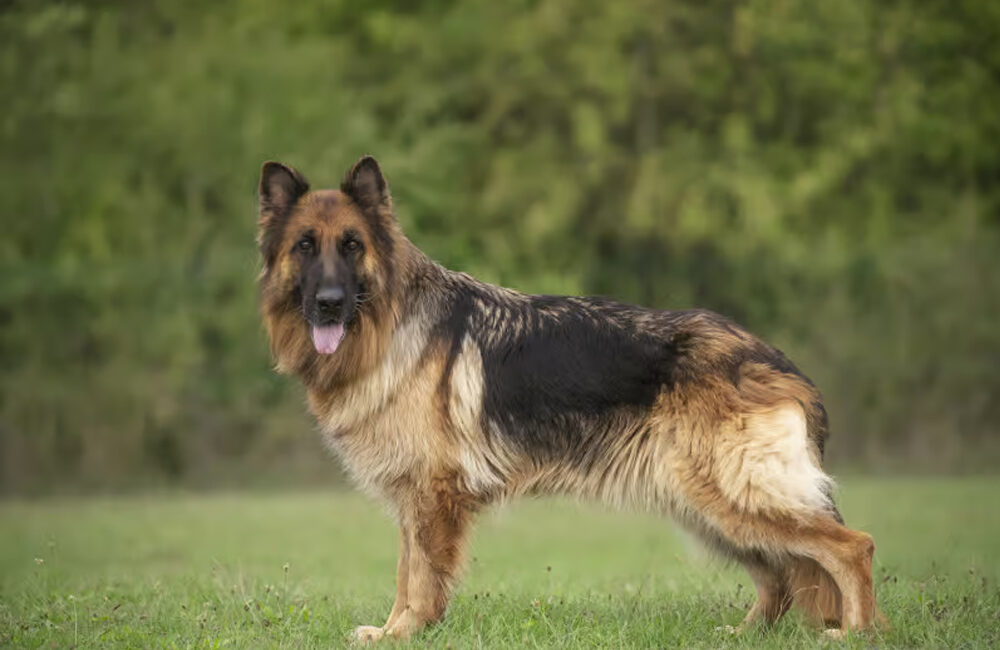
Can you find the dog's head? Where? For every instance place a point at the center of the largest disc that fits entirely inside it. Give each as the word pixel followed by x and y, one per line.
pixel 327 254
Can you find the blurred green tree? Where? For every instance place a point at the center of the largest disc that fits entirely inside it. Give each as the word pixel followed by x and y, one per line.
pixel 825 173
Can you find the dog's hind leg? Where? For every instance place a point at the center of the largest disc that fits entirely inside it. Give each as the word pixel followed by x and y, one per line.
pixel 773 596
pixel 845 554
pixel 761 489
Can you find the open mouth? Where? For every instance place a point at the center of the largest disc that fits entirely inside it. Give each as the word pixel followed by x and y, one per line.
pixel 327 338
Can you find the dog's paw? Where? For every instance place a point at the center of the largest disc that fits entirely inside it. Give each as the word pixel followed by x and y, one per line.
pixel 367 634
pixel 835 633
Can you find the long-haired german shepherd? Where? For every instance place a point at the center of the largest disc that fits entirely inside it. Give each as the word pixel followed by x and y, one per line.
pixel 443 394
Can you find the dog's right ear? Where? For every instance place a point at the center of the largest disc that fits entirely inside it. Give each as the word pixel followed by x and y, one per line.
pixel 279 188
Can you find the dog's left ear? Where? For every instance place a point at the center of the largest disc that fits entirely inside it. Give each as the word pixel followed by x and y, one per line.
pixel 366 184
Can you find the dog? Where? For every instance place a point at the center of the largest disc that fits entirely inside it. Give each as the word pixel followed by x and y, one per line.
pixel 443 394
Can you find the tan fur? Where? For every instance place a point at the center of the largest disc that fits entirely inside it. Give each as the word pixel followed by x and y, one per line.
pixel 815 593
pixel 732 459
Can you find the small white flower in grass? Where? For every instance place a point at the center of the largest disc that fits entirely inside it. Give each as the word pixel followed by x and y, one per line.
pixel 39 561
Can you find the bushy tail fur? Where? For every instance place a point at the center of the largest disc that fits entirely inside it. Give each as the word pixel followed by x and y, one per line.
pixel 814 593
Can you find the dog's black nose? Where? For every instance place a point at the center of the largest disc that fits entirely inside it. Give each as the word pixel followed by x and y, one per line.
pixel 330 300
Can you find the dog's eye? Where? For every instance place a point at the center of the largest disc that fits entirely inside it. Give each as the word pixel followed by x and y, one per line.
pixel 305 245
pixel 352 245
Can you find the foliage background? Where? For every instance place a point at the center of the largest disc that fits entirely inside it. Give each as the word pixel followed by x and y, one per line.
pixel 825 173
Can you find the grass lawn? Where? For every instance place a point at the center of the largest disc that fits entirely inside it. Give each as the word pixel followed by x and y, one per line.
pixel 300 570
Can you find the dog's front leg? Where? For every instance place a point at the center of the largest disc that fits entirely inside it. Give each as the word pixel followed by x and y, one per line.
pixel 433 534
pixel 369 633
pixel 402 575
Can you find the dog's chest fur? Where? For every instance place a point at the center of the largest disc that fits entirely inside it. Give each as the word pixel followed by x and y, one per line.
pixel 401 424
pixel 373 423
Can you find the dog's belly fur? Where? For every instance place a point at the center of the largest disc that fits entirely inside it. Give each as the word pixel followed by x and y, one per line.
pixel 704 412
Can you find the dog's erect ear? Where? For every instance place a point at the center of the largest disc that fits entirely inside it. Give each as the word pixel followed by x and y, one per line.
pixel 280 187
pixel 366 184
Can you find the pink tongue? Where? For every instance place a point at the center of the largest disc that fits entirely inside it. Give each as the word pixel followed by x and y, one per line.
pixel 328 337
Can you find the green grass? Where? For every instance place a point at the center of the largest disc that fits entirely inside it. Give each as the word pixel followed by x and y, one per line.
pixel 301 570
